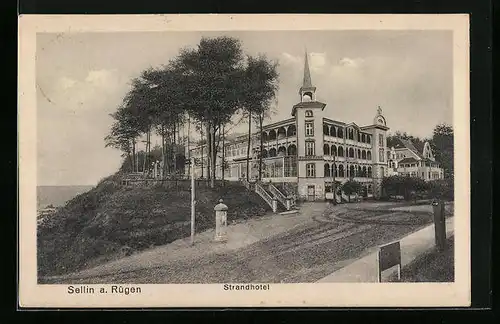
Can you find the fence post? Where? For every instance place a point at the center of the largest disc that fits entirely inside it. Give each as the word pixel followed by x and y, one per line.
pixel 439 224
pixel 275 205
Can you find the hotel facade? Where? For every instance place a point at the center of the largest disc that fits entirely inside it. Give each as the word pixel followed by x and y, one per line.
pixel 308 151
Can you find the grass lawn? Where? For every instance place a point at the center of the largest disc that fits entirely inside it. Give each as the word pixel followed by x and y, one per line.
pixel 433 266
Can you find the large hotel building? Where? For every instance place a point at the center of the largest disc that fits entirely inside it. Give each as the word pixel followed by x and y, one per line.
pixel 310 150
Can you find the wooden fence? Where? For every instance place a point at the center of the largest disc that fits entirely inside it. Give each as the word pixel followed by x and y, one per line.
pixel 177 184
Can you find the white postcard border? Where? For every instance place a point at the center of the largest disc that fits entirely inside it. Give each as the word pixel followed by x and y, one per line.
pixel 213 295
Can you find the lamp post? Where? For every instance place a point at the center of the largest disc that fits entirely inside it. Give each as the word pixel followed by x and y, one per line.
pixel 193 201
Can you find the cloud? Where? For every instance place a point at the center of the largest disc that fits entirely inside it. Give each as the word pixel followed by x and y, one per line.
pixel 87 93
pixel 290 59
pixel 317 61
pixel 65 82
pixel 349 62
pixel 100 77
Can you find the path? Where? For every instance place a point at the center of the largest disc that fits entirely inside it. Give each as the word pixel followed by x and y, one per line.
pixel 303 247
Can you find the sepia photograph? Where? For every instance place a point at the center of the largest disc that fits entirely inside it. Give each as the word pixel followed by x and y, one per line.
pixel 246 161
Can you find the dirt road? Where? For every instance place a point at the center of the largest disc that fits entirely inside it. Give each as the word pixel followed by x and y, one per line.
pixel 305 254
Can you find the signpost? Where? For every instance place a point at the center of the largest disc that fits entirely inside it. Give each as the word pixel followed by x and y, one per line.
pixel 388 256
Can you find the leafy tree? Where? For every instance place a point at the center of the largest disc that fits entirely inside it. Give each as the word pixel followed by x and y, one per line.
pixel 259 88
pixel 442 145
pixel 418 142
pixel 441 189
pixel 214 86
pixel 167 110
pixel 150 103
pixel 403 186
pixel 124 133
pixel 351 187
pixel 207 85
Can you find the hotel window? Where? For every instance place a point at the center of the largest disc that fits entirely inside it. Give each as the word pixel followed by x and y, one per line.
pixel 380 140
pixel 351 152
pixel 309 128
pixel 381 155
pixel 310 148
pixel 368 139
pixel 311 170
pixel 309 113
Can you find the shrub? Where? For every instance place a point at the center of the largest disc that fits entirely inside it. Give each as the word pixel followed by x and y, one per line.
pixel 441 189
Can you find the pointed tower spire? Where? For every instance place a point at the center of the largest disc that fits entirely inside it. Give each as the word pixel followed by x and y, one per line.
pixel 307 88
pixel 306 83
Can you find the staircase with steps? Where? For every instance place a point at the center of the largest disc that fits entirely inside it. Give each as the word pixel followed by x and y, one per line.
pixel 274 197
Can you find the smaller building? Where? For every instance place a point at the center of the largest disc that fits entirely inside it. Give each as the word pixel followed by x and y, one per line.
pixel 406 160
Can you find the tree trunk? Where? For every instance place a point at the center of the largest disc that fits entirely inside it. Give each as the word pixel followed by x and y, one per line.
pixel 248 144
pixel 174 147
pixel 133 156
pixel 223 163
pixel 167 153
pixel 189 146
pixel 202 162
pixel 214 157
pixel 131 161
pixel 145 157
pixel 163 153
pixel 209 152
pixel 261 147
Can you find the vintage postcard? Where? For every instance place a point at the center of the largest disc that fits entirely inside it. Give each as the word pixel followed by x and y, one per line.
pixel 244 161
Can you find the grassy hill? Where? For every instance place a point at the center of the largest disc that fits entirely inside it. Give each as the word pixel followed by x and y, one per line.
pixel 111 221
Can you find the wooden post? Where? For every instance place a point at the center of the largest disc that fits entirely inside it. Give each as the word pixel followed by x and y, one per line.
pixel 193 201
pixel 439 225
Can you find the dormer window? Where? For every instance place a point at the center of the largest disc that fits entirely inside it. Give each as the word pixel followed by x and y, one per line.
pixel 309 113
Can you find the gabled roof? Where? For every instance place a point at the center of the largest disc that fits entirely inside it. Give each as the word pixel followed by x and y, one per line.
pixel 374 126
pixel 408 160
pixel 333 121
pixel 279 123
pixel 402 143
pixel 353 124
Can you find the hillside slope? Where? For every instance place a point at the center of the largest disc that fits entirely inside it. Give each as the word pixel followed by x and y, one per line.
pixel 110 221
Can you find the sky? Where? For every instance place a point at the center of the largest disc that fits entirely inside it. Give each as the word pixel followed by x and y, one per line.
pixel 83 77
